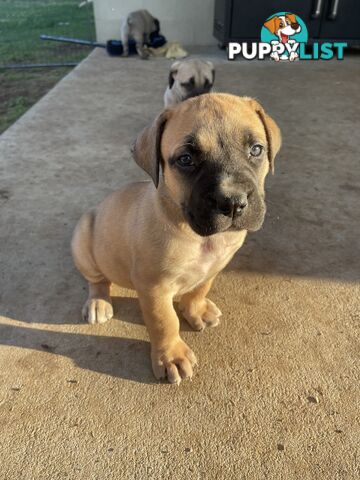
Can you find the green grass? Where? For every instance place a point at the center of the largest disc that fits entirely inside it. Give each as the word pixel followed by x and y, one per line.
pixel 21 24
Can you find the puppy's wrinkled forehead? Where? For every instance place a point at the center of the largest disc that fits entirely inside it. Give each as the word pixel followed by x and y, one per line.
pixel 214 123
pixel 194 68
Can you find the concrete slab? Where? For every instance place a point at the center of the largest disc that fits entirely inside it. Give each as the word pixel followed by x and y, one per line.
pixel 276 394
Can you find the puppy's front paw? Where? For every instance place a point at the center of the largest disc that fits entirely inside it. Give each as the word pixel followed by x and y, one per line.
pixel 97 310
pixel 201 314
pixel 174 362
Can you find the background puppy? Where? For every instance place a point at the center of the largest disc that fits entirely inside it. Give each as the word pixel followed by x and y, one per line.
pixel 170 238
pixel 138 26
pixel 189 78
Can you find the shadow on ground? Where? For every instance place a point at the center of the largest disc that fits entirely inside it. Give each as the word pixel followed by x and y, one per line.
pixel 125 358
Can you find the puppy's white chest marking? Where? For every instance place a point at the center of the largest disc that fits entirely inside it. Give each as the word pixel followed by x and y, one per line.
pixel 209 258
pixel 214 255
pixel 208 247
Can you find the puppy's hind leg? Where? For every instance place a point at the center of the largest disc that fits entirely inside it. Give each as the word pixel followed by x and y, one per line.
pixel 125 33
pixel 139 40
pixel 199 311
pixel 98 307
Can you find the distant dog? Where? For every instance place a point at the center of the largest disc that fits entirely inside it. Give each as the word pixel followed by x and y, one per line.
pixel 138 26
pixel 283 26
pixel 188 78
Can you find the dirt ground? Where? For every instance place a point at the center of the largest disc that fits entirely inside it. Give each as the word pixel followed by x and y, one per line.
pixel 276 392
pixel 22 22
pixel 22 89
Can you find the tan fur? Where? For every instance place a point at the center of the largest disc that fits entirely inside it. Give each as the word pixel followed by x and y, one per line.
pixel 138 237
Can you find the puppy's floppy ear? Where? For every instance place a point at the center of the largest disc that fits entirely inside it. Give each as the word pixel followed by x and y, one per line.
pixel 157 25
pixel 272 132
pixel 272 24
pixel 291 17
pixel 146 149
pixel 172 73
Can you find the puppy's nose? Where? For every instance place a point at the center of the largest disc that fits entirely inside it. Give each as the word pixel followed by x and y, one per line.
pixel 295 26
pixel 229 206
pixel 239 205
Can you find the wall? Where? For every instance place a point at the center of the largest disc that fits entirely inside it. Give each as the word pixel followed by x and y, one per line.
pixel 189 22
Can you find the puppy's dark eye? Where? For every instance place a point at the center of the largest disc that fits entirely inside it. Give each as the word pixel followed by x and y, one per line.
pixel 185 161
pixel 190 84
pixel 256 150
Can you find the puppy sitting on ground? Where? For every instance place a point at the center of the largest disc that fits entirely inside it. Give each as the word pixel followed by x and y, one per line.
pixel 208 158
pixel 188 78
pixel 138 26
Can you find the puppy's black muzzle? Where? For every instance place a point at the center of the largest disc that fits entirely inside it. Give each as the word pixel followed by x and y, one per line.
pixel 213 208
pixel 195 92
pixel 228 206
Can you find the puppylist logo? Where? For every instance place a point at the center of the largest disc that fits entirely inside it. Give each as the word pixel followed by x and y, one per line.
pixel 283 37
